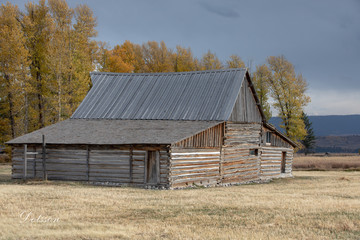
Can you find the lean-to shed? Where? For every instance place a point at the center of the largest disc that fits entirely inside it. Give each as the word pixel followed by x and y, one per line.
pixel 160 129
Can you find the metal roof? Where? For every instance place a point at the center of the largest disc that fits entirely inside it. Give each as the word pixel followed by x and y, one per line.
pixel 101 132
pixel 201 95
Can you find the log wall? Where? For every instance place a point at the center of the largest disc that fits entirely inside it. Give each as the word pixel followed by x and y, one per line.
pixel 34 166
pixel 119 164
pixel 237 164
pixel 226 158
pixel 271 161
pixel 190 166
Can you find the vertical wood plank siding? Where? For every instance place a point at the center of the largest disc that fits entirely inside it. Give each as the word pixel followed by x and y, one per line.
pixel 99 164
pixel 237 163
pixel 275 140
pixel 271 161
pixel 211 137
pixel 246 109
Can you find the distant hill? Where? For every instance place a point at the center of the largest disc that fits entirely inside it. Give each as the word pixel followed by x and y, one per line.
pixel 350 144
pixel 334 133
pixel 332 125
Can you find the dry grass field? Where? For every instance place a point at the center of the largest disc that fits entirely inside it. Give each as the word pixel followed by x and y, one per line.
pixel 331 162
pixel 312 205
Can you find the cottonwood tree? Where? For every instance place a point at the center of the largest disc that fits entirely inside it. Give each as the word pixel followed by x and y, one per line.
pixel 13 72
pixel 210 61
pixel 157 57
pixel 38 27
pixel 59 56
pixel 235 61
pixel 288 91
pixel 261 83
pixel 121 58
pixel 85 52
pixel 183 60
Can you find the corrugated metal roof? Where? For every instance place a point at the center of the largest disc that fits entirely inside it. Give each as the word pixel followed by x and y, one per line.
pixel 85 131
pixel 201 95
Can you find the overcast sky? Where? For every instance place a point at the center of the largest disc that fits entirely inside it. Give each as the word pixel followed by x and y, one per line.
pixel 320 37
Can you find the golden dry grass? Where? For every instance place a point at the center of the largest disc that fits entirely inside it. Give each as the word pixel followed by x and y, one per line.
pixel 313 205
pixel 334 162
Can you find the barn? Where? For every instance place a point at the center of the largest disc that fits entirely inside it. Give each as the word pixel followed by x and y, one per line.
pixel 160 130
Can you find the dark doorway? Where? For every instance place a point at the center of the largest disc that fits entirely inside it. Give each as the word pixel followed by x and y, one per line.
pixel 152 167
pixel 283 162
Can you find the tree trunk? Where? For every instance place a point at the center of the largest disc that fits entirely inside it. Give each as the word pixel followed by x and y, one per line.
pixel 40 101
pixel 11 106
pixel 26 117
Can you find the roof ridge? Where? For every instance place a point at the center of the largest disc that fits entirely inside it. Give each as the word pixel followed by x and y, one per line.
pixel 169 73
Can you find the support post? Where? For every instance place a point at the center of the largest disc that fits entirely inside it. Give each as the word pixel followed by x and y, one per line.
pixel 145 167
pixel 25 161
pixel 44 158
pixel 34 165
pixel 157 163
pixel 131 163
pixel 87 162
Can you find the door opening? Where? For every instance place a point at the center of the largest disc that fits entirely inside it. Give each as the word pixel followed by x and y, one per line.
pixel 152 167
pixel 283 162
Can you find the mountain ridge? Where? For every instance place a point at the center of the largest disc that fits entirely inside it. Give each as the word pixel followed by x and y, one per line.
pixel 334 133
pixel 330 125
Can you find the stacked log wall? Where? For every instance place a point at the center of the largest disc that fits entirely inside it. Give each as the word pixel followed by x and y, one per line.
pixel 237 164
pixel 194 166
pixel 271 158
pixel 118 164
pixel 34 162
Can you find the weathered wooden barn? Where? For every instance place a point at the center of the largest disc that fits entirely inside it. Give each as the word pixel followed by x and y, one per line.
pixel 160 129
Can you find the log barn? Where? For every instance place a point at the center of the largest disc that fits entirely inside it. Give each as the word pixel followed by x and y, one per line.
pixel 160 130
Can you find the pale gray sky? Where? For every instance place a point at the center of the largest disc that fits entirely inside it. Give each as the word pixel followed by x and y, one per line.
pixel 321 38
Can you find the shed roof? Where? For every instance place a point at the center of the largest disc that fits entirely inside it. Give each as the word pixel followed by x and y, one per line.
pixel 201 95
pixel 85 131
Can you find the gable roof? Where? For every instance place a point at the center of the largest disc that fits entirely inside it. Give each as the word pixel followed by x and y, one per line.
pixel 201 95
pixel 85 131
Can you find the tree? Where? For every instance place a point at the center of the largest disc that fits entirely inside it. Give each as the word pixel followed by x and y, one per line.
pixel 235 62
pixel 84 56
pixel 38 27
pixel 46 54
pixel 309 140
pixel 121 58
pixel 210 61
pixel 288 91
pixel 184 60
pixel 59 55
pixel 157 57
pixel 13 71
pixel 260 79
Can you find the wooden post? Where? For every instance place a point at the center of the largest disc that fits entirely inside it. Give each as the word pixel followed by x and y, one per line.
pixel 87 162
pixel 145 166
pixel 221 165
pixel 44 158
pixel 34 165
pixel 157 167
pixel 131 163
pixel 25 161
